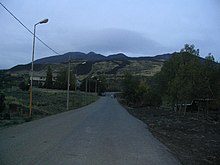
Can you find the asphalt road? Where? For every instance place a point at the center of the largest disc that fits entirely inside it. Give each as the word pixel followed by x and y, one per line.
pixel 102 133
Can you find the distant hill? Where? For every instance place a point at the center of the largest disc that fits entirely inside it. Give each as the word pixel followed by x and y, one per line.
pixel 119 56
pixel 112 66
pixel 94 57
pixel 72 55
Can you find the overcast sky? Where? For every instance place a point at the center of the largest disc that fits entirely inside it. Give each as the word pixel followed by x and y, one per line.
pixel 133 27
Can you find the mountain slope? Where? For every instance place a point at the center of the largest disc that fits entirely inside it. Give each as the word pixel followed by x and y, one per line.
pixel 94 57
pixel 119 56
pixel 72 55
pixel 95 64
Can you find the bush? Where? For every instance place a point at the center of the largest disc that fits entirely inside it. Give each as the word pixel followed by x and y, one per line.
pixel 23 86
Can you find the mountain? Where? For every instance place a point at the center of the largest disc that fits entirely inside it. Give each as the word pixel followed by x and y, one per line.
pixel 82 65
pixel 163 57
pixel 72 55
pixel 112 65
pixel 94 57
pixel 119 56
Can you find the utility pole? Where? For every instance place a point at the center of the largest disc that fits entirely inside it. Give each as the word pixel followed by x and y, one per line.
pixel 96 84
pixel 68 86
pixel 86 84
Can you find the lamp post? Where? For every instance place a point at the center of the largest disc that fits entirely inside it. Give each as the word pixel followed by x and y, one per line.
pixel 82 63
pixel 32 64
pixel 68 83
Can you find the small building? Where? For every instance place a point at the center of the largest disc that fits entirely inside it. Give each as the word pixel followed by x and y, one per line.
pixel 39 79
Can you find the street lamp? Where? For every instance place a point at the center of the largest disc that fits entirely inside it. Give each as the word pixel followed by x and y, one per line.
pixel 68 83
pixel 82 63
pixel 32 64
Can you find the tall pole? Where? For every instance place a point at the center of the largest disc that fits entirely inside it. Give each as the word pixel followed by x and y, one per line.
pixel 76 78
pixel 86 84
pixel 89 86
pixel 32 70
pixel 96 82
pixel 32 67
pixel 68 86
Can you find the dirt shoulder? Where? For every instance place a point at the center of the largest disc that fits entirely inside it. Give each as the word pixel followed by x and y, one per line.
pixel 194 140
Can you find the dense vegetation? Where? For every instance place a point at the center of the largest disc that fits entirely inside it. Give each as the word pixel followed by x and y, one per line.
pixel 14 103
pixel 184 77
pixel 138 92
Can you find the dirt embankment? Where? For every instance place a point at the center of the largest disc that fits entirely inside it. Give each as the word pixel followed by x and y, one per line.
pixel 193 139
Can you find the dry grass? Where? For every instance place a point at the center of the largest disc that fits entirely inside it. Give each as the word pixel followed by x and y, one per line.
pixel 45 102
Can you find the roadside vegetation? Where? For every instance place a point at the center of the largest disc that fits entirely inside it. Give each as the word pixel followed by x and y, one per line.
pixel 15 103
pixel 181 105
pixel 183 78
pixel 49 97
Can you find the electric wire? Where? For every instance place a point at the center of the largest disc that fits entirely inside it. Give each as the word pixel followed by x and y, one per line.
pixel 28 29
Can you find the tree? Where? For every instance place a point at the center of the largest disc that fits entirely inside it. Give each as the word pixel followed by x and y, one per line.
pixel 211 76
pixel 140 92
pixel 62 78
pixel 168 72
pixel 102 84
pixel 24 86
pixel 209 58
pixel 180 78
pixel 186 77
pixel 146 96
pixel 190 49
pixel 49 79
pixel 129 85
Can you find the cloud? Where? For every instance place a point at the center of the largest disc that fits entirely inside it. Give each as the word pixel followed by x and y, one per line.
pixel 135 28
pixel 116 40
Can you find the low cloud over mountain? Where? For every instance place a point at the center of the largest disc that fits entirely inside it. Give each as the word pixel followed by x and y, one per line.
pixel 116 40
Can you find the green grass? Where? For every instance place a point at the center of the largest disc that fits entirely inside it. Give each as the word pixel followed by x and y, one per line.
pixel 45 102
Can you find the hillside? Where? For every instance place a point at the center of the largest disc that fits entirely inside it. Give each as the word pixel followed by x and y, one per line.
pixel 92 64
pixel 77 56
pixel 72 55
pixel 84 66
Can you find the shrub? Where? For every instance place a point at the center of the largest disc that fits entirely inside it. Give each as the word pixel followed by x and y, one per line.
pixel 23 86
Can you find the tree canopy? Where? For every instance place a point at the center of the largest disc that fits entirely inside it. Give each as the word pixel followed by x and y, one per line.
pixel 183 78
pixel 62 78
pixel 49 78
pixel 186 77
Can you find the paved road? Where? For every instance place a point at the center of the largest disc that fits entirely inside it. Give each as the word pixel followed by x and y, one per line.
pixel 102 133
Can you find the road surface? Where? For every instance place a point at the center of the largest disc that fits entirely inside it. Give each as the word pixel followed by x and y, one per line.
pixel 102 133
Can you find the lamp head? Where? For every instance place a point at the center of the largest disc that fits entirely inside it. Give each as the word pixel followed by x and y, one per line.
pixel 43 21
pixel 83 63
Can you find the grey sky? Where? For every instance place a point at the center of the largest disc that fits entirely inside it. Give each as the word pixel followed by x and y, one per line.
pixel 134 27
